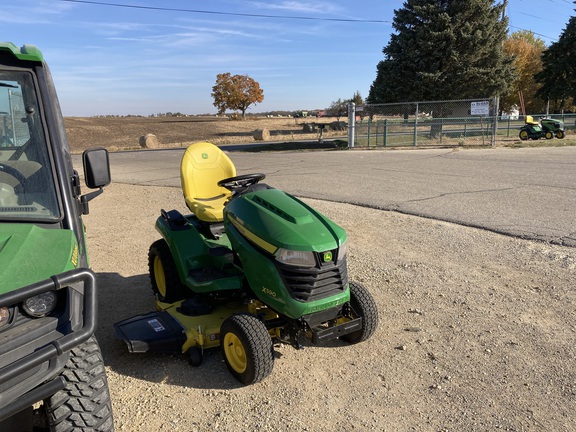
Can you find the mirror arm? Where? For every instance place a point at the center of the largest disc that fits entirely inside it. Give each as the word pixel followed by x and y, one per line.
pixel 88 197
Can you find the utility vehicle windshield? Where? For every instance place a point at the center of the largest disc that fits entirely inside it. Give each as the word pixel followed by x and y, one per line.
pixel 27 188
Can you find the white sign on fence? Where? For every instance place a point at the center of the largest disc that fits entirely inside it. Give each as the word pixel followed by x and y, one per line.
pixel 480 108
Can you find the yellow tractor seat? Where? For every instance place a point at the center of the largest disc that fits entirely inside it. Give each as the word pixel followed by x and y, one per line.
pixel 530 120
pixel 203 166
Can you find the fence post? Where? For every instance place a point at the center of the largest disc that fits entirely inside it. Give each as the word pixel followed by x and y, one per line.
pixel 416 126
pixel 369 130
pixel 351 124
pixel 385 133
pixel 495 121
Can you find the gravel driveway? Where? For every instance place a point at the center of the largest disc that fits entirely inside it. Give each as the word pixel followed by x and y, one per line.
pixel 477 332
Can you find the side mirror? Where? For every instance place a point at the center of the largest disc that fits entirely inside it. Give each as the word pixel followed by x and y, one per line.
pixel 96 168
pixel 96 174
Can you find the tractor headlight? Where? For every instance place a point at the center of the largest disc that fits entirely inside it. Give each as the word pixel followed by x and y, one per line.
pixel 296 258
pixel 343 251
pixel 41 304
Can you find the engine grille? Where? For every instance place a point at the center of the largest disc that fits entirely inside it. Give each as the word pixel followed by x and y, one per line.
pixel 310 284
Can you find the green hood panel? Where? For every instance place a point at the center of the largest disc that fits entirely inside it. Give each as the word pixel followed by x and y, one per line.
pixel 30 254
pixel 281 220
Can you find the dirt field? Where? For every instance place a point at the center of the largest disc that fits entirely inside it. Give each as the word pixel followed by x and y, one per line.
pixel 477 333
pixel 125 132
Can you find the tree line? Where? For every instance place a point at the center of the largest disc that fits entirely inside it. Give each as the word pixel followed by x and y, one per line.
pixel 449 50
pixel 460 49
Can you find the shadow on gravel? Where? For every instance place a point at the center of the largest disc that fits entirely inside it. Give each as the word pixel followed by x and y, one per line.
pixel 121 297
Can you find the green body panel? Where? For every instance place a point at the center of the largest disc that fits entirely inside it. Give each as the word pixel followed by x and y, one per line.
pixel 26 52
pixel 30 254
pixel 284 221
pixel 268 286
pixel 552 124
pixel 191 252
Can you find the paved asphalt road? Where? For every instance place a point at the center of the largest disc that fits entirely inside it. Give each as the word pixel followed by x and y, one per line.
pixel 529 193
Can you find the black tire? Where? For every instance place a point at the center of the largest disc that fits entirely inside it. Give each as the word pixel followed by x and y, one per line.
pixel 195 356
pixel 523 135
pixel 164 276
pixel 84 404
pixel 364 307
pixel 548 135
pixel 560 134
pixel 247 348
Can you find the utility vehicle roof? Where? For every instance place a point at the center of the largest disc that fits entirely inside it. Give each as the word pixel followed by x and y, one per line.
pixel 26 52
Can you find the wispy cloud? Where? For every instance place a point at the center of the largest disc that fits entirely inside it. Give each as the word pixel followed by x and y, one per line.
pixel 300 7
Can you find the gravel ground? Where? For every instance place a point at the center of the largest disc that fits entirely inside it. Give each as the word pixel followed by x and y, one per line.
pixel 477 332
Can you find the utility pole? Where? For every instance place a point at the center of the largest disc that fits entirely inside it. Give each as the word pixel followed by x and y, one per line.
pixel 504 9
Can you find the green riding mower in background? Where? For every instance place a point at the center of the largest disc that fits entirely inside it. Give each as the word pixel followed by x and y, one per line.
pixel 545 128
pixel 251 267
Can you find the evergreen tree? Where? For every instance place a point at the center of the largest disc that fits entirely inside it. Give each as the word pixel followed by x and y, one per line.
pixel 357 98
pixel 444 49
pixel 558 76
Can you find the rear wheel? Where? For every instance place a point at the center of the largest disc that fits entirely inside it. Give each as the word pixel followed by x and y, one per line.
pixel 549 135
pixel 560 134
pixel 247 348
pixel 523 134
pixel 84 403
pixel 166 283
pixel 363 306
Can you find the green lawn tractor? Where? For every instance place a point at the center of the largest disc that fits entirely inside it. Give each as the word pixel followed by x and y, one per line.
pixel 545 128
pixel 52 375
pixel 251 267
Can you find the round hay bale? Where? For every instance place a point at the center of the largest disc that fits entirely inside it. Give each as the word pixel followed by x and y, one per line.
pixel 261 134
pixel 338 126
pixel 149 141
pixel 309 128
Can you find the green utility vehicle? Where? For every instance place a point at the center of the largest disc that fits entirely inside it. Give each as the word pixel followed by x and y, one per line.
pixel 51 371
pixel 251 267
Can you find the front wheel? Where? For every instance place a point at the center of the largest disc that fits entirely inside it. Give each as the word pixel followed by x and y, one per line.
pixel 164 277
pixel 84 403
pixel 560 134
pixel 247 348
pixel 363 306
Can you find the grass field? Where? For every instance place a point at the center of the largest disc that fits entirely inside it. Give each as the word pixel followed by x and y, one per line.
pixel 123 133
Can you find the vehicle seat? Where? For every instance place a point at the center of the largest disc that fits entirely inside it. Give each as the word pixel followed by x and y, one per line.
pixel 530 120
pixel 203 166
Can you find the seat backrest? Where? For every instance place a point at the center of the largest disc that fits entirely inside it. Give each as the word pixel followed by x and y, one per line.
pixel 530 120
pixel 203 166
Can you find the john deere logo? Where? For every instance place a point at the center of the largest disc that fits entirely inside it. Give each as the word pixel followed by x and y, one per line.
pixel 204 155
pixel 327 256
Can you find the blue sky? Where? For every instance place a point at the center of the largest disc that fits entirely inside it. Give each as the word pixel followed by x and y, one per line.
pixel 142 61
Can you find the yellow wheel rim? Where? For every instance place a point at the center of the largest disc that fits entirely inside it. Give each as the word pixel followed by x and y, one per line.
pixel 159 276
pixel 235 353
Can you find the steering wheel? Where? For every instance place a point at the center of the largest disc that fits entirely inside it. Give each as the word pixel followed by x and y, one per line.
pixel 241 182
pixel 14 173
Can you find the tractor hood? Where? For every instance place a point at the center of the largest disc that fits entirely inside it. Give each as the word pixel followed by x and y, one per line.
pixel 273 219
pixel 30 254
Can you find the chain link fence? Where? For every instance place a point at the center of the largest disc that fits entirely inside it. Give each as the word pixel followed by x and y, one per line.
pixel 446 123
